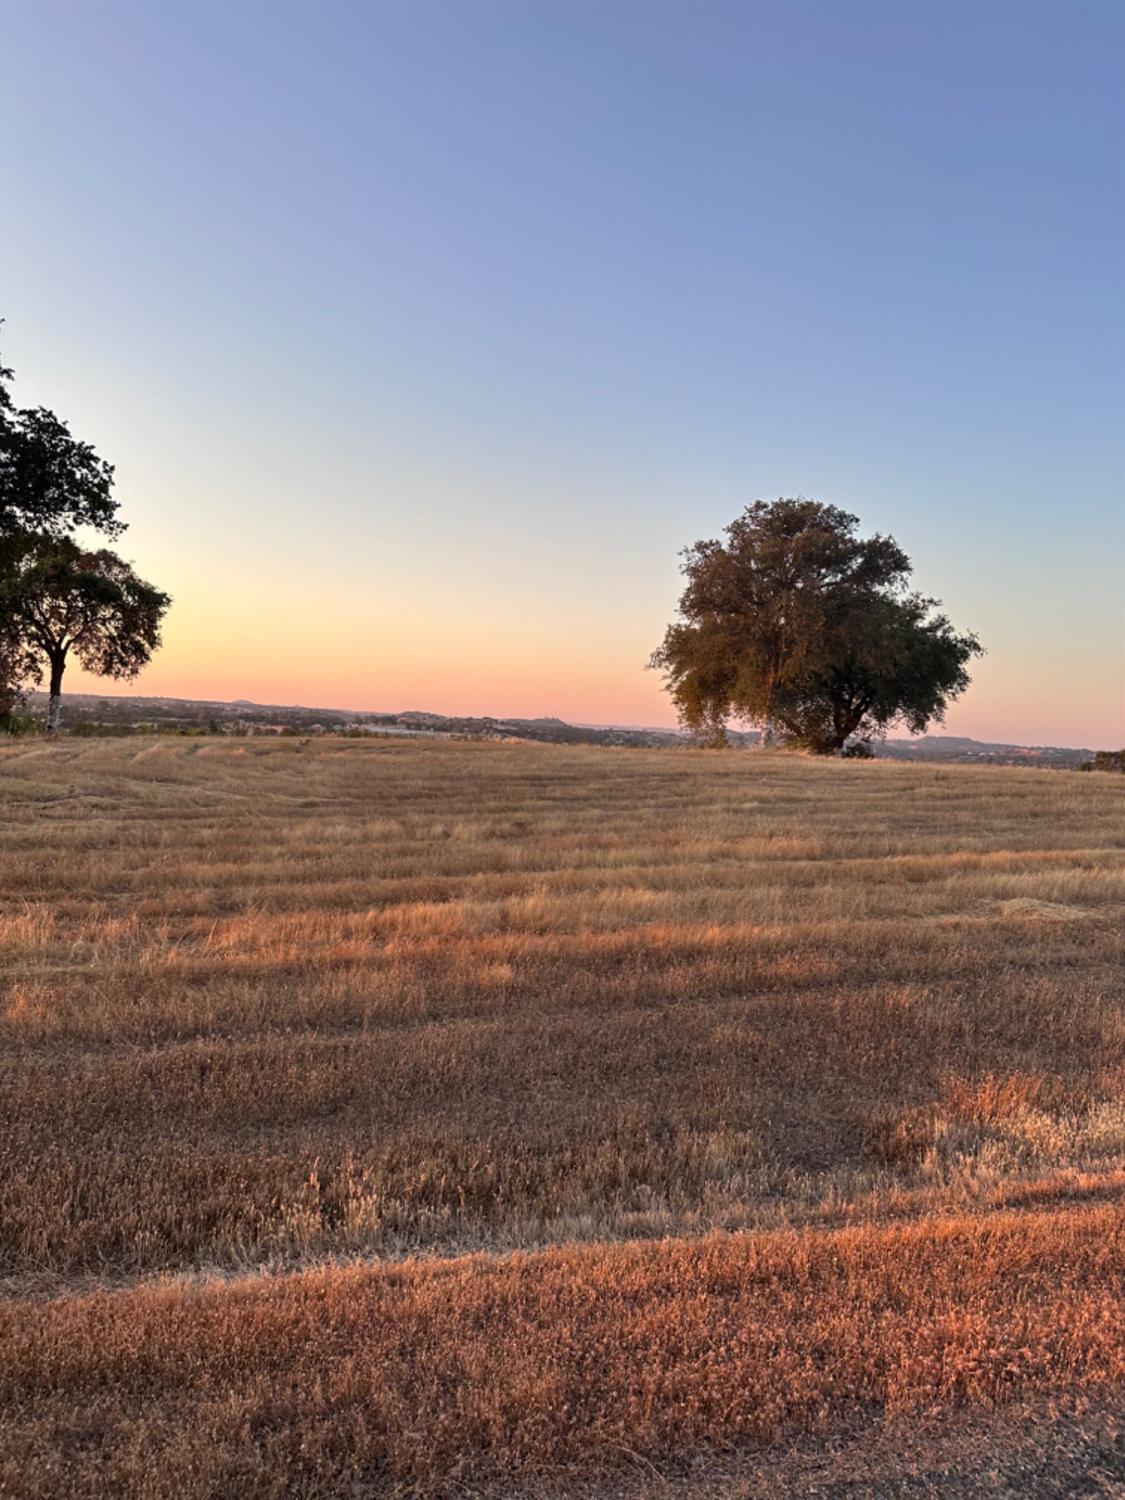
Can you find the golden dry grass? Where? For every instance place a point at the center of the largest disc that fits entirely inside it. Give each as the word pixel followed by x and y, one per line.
pixel 268 1005
pixel 419 1378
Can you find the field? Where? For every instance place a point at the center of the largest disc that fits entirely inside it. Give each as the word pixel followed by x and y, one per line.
pixel 425 1118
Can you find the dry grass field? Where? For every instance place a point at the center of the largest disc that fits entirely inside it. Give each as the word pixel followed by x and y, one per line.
pixel 425 1118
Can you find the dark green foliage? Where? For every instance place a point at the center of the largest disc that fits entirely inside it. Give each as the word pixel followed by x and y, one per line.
pixel 17 660
pixel 87 729
pixel 50 482
pixel 60 599
pixel 1105 760
pixel 800 625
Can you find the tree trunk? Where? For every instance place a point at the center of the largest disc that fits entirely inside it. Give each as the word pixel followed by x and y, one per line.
pixel 765 739
pixel 846 719
pixel 54 701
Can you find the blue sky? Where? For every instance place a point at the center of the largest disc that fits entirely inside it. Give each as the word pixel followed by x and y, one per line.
pixel 424 336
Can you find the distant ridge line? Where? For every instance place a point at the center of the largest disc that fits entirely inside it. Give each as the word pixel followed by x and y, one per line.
pixel 126 711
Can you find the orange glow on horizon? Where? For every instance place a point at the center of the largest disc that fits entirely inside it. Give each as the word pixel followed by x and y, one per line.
pixel 441 656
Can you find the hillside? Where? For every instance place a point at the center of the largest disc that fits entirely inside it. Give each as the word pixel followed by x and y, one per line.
pixel 132 712
pixel 430 1117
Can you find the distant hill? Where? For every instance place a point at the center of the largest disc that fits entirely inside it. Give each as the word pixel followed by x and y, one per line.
pixel 86 712
pixel 956 748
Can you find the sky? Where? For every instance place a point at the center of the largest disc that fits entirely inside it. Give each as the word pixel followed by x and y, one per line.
pixel 424 336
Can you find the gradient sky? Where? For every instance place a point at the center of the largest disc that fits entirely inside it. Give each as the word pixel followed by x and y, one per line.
pixel 424 336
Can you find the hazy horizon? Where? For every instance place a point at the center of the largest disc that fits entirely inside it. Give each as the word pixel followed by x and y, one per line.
pixel 500 715
pixel 423 337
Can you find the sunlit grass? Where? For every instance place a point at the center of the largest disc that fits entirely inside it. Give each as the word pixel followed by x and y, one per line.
pixel 269 1006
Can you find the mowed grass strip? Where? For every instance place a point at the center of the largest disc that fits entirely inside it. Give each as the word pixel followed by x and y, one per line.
pixel 496 1133
pixel 266 1002
pixel 426 1377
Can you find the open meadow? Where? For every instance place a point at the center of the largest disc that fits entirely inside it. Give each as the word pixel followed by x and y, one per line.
pixel 428 1117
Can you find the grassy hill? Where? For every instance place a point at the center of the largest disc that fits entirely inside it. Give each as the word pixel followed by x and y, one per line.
pixel 388 1117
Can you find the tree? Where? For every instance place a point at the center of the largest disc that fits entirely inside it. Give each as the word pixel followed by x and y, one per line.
pixel 50 482
pixel 1105 760
pixel 888 660
pixel 62 599
pixel 798 624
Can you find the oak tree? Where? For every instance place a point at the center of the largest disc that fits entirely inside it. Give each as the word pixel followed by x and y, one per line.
pixel 63 600
pixel 798 624
pixel 52 484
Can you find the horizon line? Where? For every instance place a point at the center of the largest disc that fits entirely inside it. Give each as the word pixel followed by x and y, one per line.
pixel 525 719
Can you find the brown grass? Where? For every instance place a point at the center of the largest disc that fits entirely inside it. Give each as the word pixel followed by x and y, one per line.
pixel 430 1375
pixel 268 1004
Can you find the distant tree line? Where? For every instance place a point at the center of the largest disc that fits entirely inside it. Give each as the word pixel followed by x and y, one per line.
pixel 798 624
pixel 1105 760
pixel 59 599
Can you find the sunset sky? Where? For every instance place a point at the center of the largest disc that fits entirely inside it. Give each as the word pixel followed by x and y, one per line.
pixel 424 336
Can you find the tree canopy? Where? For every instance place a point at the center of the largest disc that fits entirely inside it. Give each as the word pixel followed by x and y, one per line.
pixel 800 625
pixel 50 482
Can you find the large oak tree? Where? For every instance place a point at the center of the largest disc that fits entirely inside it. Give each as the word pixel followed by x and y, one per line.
pixel 798 624
pixel 54 596
pixel 62 599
